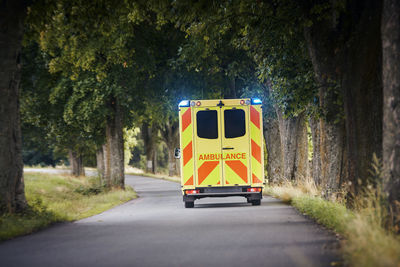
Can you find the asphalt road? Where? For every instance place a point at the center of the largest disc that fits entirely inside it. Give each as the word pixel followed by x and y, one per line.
pixel 156 230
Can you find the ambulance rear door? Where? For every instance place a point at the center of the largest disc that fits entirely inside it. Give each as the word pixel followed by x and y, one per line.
pixel 207 136
pixel 235 139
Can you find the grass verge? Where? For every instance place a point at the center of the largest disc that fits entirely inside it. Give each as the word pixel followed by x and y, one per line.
pixel 57 198
pixel 366 241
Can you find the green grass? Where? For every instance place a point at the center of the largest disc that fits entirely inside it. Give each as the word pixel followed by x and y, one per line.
pixel 332 215
pixel 58 198
pixel 367 242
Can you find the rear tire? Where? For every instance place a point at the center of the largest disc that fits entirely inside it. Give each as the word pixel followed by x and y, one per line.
pixel 256 202
pixel 189 204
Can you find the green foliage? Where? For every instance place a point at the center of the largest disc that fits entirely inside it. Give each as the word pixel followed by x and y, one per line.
pixel 144 57
pixel 241 38
pixel 130 141
pixel 93 189
pixel 103 61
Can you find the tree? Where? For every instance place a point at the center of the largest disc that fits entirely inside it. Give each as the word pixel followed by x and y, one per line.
pixel 60 108
pixel 337 43
pixel 230 36
pixel 345 48
pixel 112 53
pixel 149 132
pixel 12 195
pixel 391 104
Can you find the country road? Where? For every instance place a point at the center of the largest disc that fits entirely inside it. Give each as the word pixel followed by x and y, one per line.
pixel 156 230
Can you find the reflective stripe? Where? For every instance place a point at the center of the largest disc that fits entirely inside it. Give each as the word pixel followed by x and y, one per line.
pixel 256 144
pixel 205 170
pixel 187 153
pixel 187 145
pixel 186 119
pixel 256 180
pixel 255 151
pixel 239 168
pixel 255 117
pixel 190 181
pixel 188 172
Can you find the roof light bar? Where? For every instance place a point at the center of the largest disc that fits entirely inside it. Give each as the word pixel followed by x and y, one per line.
pixel 256 101
pixel 184 103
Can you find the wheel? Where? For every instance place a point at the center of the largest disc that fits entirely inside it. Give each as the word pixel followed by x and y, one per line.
pixel 189 204
pixel 256 202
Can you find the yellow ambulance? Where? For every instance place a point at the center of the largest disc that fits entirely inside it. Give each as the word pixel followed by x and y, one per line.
pixel 221 149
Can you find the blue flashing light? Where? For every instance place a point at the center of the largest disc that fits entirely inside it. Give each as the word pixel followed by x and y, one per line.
pixel 184 103
pixel 256 101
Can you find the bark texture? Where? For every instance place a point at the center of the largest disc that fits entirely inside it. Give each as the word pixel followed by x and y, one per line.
pixel 294 146
pixel 170 131
pixel 362 89
pixel 12 194
pixel 114 149
pixel 107 164
pixel 149 136
pixel 274 151
pixel 100 163
pixel 76 163
pixel 391 106
pixel 316 158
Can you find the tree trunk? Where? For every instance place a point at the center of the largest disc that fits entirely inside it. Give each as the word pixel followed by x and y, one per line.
pixel 107 164
pixel 173 168
pixel 361 76
pixel 332 152
pixel 316 143
pixel 170 130
pixel 391 104
pixel 12 192
pixel 347 60
pixel 100 163
pixel 274 151
pixel 329 148
pixel 294 144
pixel 76 162
pixel 154 169
pixel 115 149
pixel 149 136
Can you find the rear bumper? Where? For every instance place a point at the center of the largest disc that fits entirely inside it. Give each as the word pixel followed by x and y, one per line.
pixel 248 195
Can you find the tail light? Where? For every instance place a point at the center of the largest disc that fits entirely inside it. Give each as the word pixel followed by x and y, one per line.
pixel 194 191
pixel 254 189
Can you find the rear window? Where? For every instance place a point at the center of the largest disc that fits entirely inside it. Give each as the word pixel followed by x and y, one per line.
pixel 207 124
pixel 235 125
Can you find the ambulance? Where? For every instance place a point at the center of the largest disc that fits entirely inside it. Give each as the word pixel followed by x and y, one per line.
pixel 221 149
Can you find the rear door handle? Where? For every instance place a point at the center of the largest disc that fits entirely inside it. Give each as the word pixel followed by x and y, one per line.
pixel 226 148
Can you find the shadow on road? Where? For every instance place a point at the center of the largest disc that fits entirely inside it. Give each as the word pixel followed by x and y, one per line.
pixel 221 205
